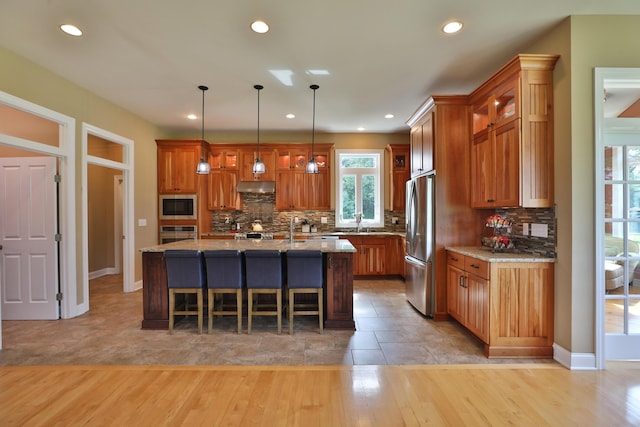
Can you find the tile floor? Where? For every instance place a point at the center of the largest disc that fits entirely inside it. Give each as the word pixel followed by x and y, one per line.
pixel 388 332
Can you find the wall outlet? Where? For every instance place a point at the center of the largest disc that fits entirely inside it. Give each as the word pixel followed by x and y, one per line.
pixel 525 229
pixel 295 220
pixel 323 220
pixel 540 230
pixel 142 222
pixel 394 220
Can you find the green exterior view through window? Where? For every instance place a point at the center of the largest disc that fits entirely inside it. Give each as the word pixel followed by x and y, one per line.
pixel 360 189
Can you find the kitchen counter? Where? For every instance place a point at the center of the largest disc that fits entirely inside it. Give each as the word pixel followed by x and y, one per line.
pixel 324 245
pixel 338 280
pixel 319 235
pixel 486 254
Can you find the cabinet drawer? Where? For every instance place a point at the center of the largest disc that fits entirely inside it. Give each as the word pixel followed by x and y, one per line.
pixel 456 260
pixel 477 267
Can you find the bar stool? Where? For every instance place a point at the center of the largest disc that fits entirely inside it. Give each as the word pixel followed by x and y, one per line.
pixel 185 275
pixel 264 276
pixel 304 276
pixel 224 276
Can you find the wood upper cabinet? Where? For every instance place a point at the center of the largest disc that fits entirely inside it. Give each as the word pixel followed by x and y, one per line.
pixel 177 163
pixel 248 158
pixel 224 158
pixel 400 173
pixel 512 144
pixel 507 305
pixel 422 143
pixel 296 189
pixel 222 194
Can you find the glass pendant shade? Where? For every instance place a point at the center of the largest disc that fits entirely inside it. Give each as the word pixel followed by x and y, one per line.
pixel 258 167
pixel 204 168
pixel 312 166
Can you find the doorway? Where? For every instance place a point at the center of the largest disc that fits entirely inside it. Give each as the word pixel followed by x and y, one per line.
pixel 617 122
pixel 104 151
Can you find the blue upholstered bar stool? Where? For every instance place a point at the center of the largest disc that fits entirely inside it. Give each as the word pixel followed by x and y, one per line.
pixel 264 276
pixel 185 275
pixel 224 276
pixel 304 276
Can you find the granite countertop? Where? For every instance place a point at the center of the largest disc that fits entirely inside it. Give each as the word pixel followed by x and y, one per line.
pixel 313 235
pixel 486 254
pixel 324 245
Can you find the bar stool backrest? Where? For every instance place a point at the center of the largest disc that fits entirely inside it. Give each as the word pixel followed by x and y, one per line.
pixel 185 269
pixel 304 268
pixel 263 268
pixel 224 269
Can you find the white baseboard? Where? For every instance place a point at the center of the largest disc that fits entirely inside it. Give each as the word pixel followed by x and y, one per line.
pixel 104 272
pixel 574 361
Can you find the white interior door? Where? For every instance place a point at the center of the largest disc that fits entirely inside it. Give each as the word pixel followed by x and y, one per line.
pixel 29 279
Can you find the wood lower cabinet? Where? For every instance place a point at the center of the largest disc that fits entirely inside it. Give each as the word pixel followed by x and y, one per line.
pixel 507 305
pixel 378 255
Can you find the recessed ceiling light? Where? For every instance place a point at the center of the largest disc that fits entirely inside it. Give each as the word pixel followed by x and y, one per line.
pixel 389 116
pixel 360 129
pixel 290 116
pixel 452 27
pixel 192 117
pixel 259 27
pixel 72 30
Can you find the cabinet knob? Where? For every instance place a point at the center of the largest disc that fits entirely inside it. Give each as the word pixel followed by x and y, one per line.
pixel 490 200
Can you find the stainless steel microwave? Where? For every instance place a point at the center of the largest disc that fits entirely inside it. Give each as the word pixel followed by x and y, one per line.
pixel 178 206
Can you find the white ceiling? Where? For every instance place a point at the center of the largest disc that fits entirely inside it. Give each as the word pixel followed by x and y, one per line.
pixel 149 56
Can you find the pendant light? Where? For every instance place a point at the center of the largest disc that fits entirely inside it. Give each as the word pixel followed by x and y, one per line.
pixel 312 166
pixel 258 166
pixel 203 167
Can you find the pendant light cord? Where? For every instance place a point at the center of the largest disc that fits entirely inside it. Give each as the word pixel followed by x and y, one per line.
pixel 258 88
pixel 203 89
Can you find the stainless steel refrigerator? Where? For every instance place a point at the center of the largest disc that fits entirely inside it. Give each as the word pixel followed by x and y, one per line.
pixel 419 253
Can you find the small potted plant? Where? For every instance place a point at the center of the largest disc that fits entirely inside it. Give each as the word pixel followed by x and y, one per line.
pixel 305 226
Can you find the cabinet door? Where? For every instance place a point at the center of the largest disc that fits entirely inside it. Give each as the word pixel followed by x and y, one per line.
pixel 506 161
pixel 416 150
pixel 284 189
pixel 482 190
pixel 399 190
pixel 177 169
pixel 222 193
pixel 319 191
pixel 427 143
pixel 456 294
pixel 477 316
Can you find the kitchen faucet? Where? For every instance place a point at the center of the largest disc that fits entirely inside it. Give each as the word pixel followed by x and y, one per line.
pixel 358 221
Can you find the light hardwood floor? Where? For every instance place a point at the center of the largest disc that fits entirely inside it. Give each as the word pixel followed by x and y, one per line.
pixel 435 395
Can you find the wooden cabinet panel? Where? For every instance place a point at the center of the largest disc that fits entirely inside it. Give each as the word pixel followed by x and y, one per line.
pixel 477 315
pixel 339 295
pixel 456 294
pixel 422 146
pixel 177 163
pixel 319 195
pixel 222 194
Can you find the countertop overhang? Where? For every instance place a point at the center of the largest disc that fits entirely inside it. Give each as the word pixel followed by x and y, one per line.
pixel 324 245
pixel 486 254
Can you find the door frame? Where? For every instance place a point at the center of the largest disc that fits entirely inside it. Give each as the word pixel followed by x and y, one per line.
pixel 600 125
pixel 118 217
pixel 126 167
pixel 65 153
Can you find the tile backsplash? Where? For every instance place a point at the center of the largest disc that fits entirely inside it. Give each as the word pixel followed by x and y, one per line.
pixel 262 207
pixel 544 246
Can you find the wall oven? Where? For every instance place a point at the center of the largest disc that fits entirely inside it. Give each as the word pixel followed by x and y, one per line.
pixel 174 233
pixel 178 206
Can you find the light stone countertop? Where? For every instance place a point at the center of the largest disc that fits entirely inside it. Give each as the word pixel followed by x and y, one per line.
pixel 324 245
pixel 314 235
pixel 486 254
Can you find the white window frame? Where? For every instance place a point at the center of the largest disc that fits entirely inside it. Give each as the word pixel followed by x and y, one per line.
pixel 378 220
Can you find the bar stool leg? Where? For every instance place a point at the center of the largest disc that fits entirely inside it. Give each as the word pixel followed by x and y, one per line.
pixel 249 309
pixel 239 307
pixel 172 305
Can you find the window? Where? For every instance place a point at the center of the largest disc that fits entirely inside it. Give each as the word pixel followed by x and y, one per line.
pixel 360 188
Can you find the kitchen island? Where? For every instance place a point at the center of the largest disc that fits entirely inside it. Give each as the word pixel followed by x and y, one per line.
pixel 338 284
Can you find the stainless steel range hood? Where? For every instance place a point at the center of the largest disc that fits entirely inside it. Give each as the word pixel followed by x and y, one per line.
pixel 256 187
